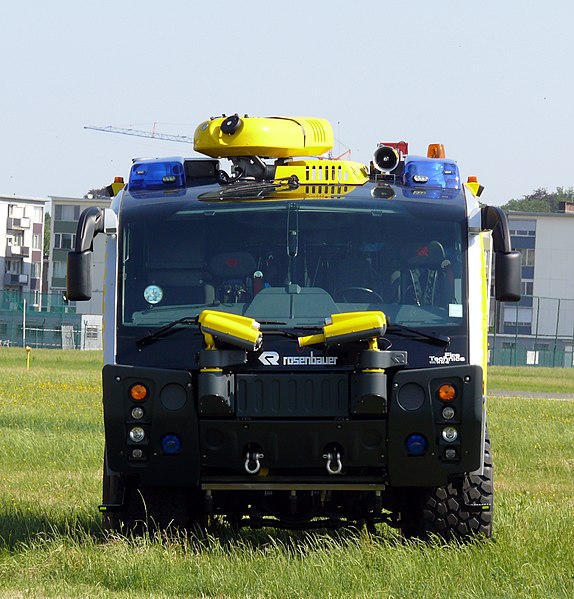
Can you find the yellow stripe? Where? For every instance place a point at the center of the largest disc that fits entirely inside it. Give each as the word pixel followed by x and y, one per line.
pixel 485 300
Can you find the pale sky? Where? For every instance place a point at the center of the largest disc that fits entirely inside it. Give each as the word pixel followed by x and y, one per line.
pixel 492 80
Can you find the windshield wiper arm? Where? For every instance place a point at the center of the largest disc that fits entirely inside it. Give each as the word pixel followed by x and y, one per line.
pixel 401 329
pixel 168 329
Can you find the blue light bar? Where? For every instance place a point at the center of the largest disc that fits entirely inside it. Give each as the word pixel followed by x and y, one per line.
pixel 431 172
pixel 157 174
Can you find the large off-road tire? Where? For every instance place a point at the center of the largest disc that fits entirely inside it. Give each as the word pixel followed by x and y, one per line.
pixel 112 494
pixel 148 509
pixel 462 510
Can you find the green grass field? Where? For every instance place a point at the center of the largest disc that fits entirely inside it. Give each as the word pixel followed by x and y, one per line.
pixel 51 545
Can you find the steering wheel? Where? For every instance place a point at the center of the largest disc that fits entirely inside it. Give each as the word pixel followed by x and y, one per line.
pixel 342 293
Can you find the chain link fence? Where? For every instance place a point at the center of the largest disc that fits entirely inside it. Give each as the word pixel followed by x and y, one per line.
pixel 46 321
pixel 537 331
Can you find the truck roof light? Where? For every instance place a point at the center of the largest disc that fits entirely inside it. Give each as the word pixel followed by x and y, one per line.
pixel 439 173
pixel 157 174
pixel 474 186
pixel 436 151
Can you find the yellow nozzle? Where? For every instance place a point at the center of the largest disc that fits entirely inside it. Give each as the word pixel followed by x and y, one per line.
pixel 349 327
pixel 234 329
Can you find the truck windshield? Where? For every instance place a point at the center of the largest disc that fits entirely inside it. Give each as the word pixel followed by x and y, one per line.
pixel 292 264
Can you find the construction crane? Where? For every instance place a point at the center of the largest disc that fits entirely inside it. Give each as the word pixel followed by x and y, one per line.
pixel 164 136
pixel 167 137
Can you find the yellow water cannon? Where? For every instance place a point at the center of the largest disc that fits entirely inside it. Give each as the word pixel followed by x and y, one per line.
pixel 247 141
pixel 349 327
pixel 233 329
pixel 268 137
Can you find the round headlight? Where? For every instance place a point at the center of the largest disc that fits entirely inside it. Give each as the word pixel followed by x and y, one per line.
pixel 448 413
pixel 137 434
pixel 449 434
pixel 450 453
pixel 153 294
pixel 137 413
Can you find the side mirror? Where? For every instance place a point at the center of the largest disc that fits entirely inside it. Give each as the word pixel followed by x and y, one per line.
pixel 79 276
pixel 507 273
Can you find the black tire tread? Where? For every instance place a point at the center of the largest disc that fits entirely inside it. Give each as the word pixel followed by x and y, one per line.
pixel 443 512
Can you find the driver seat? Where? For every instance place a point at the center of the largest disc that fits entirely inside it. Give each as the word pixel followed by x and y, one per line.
pixel 426 278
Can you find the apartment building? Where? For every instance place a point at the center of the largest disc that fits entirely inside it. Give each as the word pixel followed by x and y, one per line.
pixel 65 214
pixel 21 244
pixel 542 323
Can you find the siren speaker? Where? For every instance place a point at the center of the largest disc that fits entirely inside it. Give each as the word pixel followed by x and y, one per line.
pixel 385 159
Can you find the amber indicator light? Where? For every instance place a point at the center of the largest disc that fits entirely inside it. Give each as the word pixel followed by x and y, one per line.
pixel 446 392
pixel 138 392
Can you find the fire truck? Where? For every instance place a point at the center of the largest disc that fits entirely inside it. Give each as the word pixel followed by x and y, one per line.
pixel 296 342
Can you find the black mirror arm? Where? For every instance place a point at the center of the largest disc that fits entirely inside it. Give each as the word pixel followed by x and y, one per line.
pixel 90 223
pixel 493 218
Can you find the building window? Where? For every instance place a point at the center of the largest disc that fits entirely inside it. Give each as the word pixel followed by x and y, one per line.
pixel 64 241
pixel 522 228
pixel 14 266
pixel 37 241
pixel 16 239
pixel 66 212
pixel 528 256
pixel 15 211
pixel 59 270
pixel 36 268
pixel 38 214
pixel 541 347
pixel 527 287
pixel 517 316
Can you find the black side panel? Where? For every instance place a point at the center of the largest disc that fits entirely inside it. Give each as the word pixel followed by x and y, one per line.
pixel 415 409
pixel 304 395
pixel 168 409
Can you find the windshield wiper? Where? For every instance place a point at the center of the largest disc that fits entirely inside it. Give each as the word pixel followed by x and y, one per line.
pixel 166 330
pixel 290 332
pixel 400 329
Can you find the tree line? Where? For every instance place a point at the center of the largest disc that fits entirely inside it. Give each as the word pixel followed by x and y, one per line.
pixel 541 200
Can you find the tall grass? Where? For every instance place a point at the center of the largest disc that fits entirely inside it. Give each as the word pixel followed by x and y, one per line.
pixel 51 544
pixel 532 379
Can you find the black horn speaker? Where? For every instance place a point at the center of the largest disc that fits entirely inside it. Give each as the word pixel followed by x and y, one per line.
pixel 385 159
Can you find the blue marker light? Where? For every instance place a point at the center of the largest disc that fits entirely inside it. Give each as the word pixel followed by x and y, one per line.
pixel 153 175
pixel 171 444
pixel 431 172
pixel 416 444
